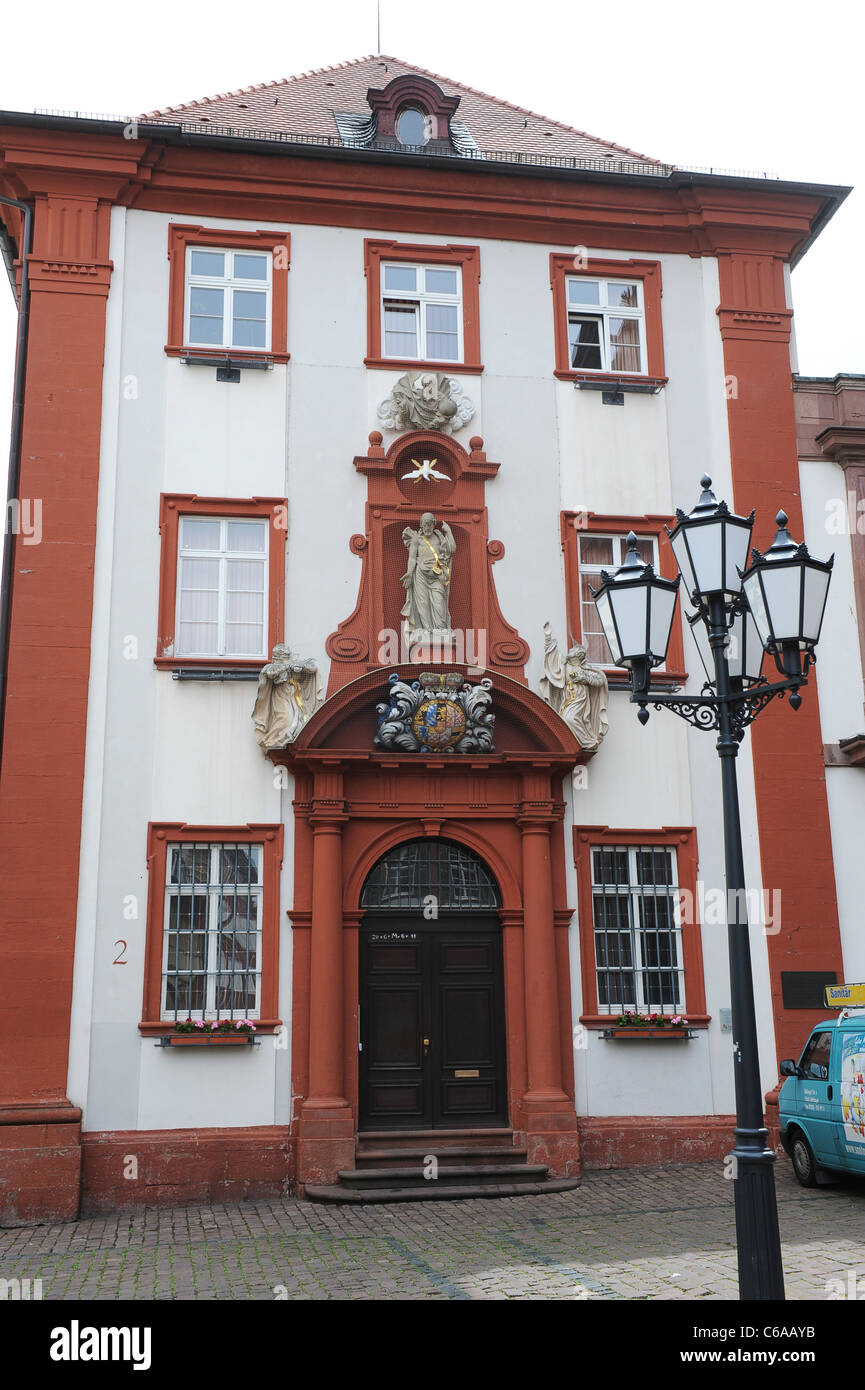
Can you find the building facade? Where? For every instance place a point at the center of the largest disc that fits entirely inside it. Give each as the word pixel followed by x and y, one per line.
pixel 269 334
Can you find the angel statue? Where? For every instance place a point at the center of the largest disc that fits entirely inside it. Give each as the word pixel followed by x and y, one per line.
pixel 289 692
pixel 427 579
pixel 577 692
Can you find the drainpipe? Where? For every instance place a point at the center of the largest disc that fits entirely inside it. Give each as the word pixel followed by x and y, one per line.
pixel 14 451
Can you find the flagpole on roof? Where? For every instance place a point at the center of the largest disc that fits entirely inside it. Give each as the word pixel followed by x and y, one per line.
pixel 378 26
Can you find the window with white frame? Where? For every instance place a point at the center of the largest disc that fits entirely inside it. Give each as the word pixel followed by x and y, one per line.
pixel 211 954
pixel 222 587
pixel 422 315
pixel 606 325
pixel 596 553
pixel 637 929
pixel 228 298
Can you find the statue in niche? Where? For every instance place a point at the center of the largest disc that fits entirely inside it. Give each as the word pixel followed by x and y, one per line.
pixel 426 401
pixel 427 579
pixel 289 693
pixel 577 692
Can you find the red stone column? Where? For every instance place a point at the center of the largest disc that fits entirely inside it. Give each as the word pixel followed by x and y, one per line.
pixel 542 1010
pixel 787 747
pixel 547 1112
pixel 326 1130
pixel 42 784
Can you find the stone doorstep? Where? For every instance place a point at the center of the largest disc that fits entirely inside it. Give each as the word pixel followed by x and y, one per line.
pixel 367 1156
pixel 431 1192
pixel 393 1177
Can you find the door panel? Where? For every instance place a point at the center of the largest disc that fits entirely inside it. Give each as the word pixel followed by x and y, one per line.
pixel 432 1026
pixel 815 1102
pixel 393 1087
pixel 849 1126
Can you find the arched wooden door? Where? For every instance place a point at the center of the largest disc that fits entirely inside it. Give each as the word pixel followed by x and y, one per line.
pixel 432 1018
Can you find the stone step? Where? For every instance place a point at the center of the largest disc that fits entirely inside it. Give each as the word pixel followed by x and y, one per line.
pixel 369 1156
pixel 433 1139
pixel 433 1191
pixel 412 1177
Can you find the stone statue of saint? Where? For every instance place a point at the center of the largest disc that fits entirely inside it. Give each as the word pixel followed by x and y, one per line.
pixel 289 692
pixel 577 692
pixel 428 577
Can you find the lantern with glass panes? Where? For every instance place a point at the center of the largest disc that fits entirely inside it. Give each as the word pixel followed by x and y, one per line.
pixel 773 607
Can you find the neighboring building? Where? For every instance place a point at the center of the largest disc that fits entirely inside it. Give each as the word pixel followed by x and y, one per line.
pixel 830 419
pixel 225 301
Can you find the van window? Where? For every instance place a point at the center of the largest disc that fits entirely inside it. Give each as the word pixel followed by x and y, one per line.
pixel 814 1063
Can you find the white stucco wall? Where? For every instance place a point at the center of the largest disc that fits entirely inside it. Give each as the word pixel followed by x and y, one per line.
pixel 159 749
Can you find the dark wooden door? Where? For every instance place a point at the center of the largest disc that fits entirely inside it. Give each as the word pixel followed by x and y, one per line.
pixel 432 1035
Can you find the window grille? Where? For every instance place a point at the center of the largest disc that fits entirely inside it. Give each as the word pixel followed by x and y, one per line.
pixel 420 869
pixel 638 929
pixel 211 964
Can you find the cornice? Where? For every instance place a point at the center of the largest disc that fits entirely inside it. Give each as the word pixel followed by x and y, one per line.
pixel 843 443
pixel 688 214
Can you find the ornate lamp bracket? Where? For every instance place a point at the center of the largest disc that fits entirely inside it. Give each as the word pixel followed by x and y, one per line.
pixel 703 711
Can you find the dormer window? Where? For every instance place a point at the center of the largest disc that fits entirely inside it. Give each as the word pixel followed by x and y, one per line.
pixel 412 126
pixel 412 112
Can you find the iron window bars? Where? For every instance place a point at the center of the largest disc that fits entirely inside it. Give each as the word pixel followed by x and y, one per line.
pixel 211 965
pixel 422 869
pixel 637 929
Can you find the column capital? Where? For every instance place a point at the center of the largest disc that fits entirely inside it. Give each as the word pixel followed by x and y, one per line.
pixel 327 815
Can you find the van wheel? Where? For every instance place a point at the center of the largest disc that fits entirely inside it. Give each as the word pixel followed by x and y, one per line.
pixel 804 1163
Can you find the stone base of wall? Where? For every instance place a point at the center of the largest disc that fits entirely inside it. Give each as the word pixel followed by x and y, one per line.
pixel 40 1164
pixel 651 1141
pixel 51 1172
pixel 126 1169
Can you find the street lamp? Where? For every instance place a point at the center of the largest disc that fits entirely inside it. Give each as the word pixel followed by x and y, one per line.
pixel 774 606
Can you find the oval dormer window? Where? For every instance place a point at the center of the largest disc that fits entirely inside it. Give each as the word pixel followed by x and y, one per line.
pixel 412 127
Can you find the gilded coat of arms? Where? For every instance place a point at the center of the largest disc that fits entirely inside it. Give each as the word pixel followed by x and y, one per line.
pixel 436 714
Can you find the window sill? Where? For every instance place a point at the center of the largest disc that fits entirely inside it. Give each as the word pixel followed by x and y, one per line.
pixel 219 355
pixel 617 679
pixel 638 382
pixel 604 1021
pixel 215 669
pixel 173 1040
pixel 412 364
pixel 151 1029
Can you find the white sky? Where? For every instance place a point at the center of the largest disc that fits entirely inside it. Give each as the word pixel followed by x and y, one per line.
pixel 744 84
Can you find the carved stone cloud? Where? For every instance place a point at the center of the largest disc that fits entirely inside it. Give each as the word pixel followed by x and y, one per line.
pixel 426 401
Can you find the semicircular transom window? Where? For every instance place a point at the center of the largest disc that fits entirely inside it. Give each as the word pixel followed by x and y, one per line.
pixel 412 126
pixel 419 869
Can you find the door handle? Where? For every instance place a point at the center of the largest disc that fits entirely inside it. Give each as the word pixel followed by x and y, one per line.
pixel 425 1046
pixel 828 1092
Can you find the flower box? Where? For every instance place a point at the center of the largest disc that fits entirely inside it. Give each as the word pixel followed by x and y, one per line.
pixel 223 1032
pixel 647 1034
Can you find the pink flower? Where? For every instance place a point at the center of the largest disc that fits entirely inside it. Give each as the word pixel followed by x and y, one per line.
pixel 198 1023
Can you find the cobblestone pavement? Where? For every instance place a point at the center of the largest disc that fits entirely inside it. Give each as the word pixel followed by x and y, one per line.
pixel 646 1233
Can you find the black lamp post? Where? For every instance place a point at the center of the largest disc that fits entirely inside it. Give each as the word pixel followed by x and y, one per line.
pixel 775 606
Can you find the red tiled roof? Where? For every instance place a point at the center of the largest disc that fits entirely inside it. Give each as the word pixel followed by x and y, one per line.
pixel 305 105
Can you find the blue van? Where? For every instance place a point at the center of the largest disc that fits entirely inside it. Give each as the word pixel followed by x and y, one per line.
pixel 822 1102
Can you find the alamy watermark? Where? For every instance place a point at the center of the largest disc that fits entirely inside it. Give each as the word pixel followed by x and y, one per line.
pixel 462 646
pixel 715 908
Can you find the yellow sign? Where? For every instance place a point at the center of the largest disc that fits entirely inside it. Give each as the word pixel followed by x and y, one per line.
pixel 840 996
